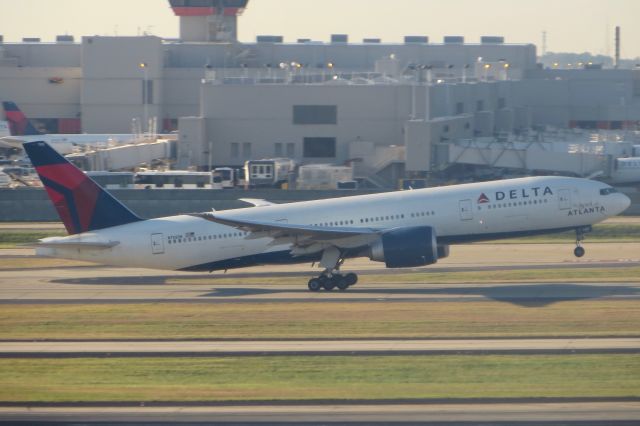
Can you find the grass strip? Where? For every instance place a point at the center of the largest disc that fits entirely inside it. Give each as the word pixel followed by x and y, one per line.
pixel 321 320
pixel 39 262
pixel 310 377
pixel 607 232
pixel 12 238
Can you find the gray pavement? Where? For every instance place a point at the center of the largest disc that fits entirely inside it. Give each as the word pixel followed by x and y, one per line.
pixel 324 347
pixel 103 284
pixel 573 413
pixel 112 285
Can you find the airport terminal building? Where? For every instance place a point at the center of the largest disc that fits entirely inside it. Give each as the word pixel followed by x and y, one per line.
pixel 372 103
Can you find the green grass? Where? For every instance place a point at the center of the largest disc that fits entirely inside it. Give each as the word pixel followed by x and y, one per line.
pixel 320 320
pixel 13 238
pixel 311 377
pixel 603 233
pixel 38 262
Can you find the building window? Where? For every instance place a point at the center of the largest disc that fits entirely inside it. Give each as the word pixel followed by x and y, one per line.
pixel 315 114
pixel 291 150
pixel 147 92
pixel 480 105
pixel 459 108
pixel 246 150
pixel 278 149
pixel 235 150
pixel 319 147
pixel 502 103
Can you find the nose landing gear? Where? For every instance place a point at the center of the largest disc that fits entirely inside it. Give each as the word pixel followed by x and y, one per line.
pixel 579 251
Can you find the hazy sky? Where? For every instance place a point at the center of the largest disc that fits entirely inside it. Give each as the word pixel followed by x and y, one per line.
pixel 571 25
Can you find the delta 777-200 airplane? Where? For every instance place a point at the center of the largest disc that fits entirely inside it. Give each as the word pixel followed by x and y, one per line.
pixel 403 229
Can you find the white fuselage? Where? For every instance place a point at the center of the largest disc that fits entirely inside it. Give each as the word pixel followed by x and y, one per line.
pixel 627 171
pixel 65 143
pixel 460 213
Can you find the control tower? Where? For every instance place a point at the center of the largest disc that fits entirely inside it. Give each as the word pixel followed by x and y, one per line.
pixel 208 20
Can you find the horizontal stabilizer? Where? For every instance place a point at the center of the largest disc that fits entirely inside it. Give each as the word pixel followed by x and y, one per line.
pixel 78 244
pixel 257 202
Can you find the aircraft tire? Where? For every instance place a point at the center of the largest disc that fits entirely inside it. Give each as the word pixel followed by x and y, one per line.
pixel 341 282
pixel 351 278
pixel 314 284
pixel 329 284
pixel 579 251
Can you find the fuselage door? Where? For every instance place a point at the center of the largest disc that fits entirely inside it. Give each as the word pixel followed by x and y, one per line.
pixel 564 199
pixel 157 243
pixel 466 212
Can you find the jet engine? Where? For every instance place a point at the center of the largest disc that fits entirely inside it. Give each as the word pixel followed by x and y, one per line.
pixel 443 251
pixel 406 247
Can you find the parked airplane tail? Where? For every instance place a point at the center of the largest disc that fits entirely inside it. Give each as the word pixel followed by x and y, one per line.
pixel 18 122
pixel 81 203
pixel 4 129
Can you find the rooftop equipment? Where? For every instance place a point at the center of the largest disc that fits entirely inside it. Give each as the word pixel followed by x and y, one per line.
pixel 617 64
pixel 64 39
pixel 416 39
pixel 453 40
pixel 492 40
pixel 339 38
pixel 269 39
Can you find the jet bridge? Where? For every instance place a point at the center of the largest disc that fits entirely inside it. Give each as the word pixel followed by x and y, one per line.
pixel 566 158
pixel 123 156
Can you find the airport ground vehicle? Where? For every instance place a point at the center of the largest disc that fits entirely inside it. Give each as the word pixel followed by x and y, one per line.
pixel 269 172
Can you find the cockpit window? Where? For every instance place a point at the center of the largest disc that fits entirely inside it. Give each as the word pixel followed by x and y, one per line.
pixel 607 191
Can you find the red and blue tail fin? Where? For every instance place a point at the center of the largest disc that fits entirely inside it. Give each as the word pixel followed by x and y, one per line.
pixel 82 204
pixel 18 122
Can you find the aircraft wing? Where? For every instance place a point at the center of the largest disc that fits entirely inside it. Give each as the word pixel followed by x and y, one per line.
pixel 299 235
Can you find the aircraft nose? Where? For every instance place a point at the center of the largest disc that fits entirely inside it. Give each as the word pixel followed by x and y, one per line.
pixel 623 202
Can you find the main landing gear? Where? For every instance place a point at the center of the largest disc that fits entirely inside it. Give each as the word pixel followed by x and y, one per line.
pixel 330 282
pixel 579 250
pixel 331 278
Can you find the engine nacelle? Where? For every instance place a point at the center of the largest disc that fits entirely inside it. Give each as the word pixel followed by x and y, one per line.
pixel 406 247
pixel 443 251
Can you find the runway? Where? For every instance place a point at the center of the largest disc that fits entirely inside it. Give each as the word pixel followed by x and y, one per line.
pixel 532 413
pixel 103 284
pixel 129 348
pixel 154 292
pixel 94 284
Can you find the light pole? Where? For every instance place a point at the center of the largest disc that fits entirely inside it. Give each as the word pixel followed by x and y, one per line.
pixel 145 96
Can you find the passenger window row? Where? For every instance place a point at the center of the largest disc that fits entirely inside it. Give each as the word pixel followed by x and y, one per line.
pixel 373 219
pixel 208 238
pixel 514 204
